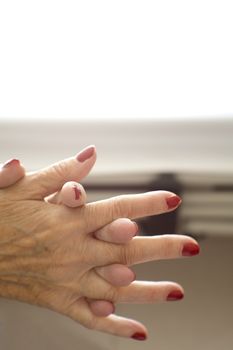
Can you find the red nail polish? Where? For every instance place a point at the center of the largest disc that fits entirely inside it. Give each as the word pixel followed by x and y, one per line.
pixel 173 201
pixel 77 192
pixel 175 295
pixel 139 336
pixel 190 249
pixel 86 154
pixel 11 162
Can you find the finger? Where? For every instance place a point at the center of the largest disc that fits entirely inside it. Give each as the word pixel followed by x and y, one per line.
pixel 142 249
pixel 101 308
pixel 121 326
pixel 116 274
pixel 100 213
pixel 72 195
pixel 142 292
pixel 137 292
pixel 112 324
pixel 51 179
pixel 11 172
pixel 81 312
pixel 119 231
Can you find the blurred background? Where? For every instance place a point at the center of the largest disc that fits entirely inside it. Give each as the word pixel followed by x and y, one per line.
pixel 150 84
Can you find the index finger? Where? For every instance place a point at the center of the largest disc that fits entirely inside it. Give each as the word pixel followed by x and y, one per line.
pixel 132 206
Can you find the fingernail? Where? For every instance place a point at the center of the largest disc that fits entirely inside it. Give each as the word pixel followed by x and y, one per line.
pixel 11 162
pixel 139 336
pixel 77 192
pixel 175 295
pixel 173 201
pixel 85 154
pixel 136 227
pixel 190 249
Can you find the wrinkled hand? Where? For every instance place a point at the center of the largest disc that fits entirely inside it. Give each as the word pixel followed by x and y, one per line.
pixel 50 258
pixel 72 194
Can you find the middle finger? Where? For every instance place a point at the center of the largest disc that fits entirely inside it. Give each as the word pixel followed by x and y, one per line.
pixel 143 249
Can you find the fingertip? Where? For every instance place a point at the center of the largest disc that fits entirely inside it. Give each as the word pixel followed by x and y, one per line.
pixel 73 194
pixel 12 162
pixel 173 201
pixel 117 274
pixel 122 231
pixel 139 331
pixel 121 326
pixel 11 172
pixel 175 295
pixel 86 154
pixel 139 336
pixel 102 308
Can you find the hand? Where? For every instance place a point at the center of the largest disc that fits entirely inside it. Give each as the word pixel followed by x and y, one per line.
pixel 73 195
pixel 50 256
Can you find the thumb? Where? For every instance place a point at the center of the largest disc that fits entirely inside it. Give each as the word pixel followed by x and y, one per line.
pixel 51 179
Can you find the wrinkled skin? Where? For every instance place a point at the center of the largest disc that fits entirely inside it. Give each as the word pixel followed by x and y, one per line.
pixel 50 257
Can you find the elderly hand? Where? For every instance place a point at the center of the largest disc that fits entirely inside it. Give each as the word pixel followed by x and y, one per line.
pixel 72 194
pixel 49 256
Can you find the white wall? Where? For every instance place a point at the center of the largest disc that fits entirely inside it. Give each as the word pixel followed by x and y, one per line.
pixel 116 57
pixel 124 146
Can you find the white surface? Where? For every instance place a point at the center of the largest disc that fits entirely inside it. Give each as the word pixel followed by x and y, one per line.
pixel 166 58
pixel 142 147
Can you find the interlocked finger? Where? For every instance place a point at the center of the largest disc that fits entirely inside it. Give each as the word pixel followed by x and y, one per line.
pixel 116 274
pixel 71 195
pixel 143 249
pixel 120 231
pixel 131 206
pixel 112 324
pixel 142 292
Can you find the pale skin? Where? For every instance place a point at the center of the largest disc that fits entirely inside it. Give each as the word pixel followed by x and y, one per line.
pixel 50 256
pixel 120 231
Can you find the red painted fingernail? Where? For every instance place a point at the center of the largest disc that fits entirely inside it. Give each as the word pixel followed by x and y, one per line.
pixel 190 249
pixel 175 295
pixel 136 227
pixel 85 154
pixel 173 201
pixel 11 162
pixel 139 336
pixel 77 192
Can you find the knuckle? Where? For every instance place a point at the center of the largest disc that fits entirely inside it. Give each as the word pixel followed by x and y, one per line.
pixel 60 169
pixel 120 207
pixel 87 320
pixel 127 255
pixel 111 294
pixel 90 323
